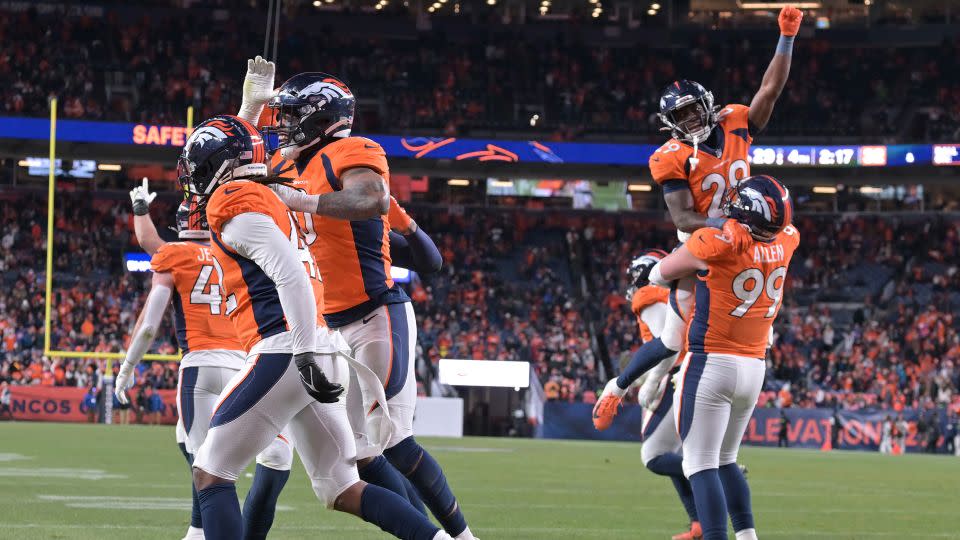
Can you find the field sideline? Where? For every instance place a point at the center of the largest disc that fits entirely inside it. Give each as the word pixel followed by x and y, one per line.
pixel 74 481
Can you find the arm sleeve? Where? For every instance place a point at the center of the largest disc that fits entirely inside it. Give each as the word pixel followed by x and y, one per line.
pixel 424 255
pixel 295 199
pixel 257 237
pixel 153 310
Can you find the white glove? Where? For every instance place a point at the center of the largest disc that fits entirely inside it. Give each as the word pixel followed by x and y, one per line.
pixel 650 391
pixel 257 88
pixel 123 382
pixel 141 197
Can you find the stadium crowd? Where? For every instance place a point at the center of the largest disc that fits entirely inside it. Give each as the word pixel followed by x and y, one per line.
pixel 143 70
pixel 863 323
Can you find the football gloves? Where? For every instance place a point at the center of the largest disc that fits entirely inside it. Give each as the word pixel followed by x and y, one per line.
pixel 141 197
pixel 124 382
pixel 257 88
pixel 789 20
pixel 738 234
pixel 314 381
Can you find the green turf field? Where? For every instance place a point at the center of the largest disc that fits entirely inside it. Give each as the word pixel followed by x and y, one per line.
pixel 95 481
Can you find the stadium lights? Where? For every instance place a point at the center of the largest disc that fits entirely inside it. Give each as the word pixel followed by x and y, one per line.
pixel 436 5
pixel 316 3
pixel 825 190
pixel 501 183
pixel 871 190
pixel 108 167
pixel 651 11
pixel 596 14
pixel 545 3
pixel 777 5
pixel 654 6
pixel 640 187
pixel 593 1
pixel 431 9
pixel 491 2
pixel 460 182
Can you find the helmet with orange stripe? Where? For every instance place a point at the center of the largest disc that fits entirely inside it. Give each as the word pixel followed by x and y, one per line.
pixel 761 203
pixel 221 149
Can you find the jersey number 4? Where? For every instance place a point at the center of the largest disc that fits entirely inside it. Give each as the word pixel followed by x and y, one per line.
pixel 751 284
pixel 205 292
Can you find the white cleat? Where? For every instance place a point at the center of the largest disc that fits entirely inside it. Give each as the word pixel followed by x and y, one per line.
pixel 194 533
pixel 466 535
pixel 442 535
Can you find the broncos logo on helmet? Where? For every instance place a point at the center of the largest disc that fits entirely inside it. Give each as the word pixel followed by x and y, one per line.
pixel 312 108
pixel 221 149
pixel 761 203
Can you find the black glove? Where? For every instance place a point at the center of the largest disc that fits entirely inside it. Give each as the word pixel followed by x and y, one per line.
pixel 314 381
pixel 641 273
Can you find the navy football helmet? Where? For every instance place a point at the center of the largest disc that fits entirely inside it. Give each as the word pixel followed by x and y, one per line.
pixel 311 108
pixel 640 266
pixel 761 203
pixel 191 223
pixel 219 150
pixel 687 111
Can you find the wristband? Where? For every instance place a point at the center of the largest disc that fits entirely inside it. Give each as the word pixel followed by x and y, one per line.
pixel 716 222
pixel 140 207
pixel 785 45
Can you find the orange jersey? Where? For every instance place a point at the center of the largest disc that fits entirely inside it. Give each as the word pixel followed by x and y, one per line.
pixel 713 175
pixel 199 314
pixel 253 303
pixel 353 256
pixel 739 296
pixel 643 298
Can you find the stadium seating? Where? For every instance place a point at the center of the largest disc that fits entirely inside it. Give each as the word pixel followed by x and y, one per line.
pixel 131 67
pixel 540 286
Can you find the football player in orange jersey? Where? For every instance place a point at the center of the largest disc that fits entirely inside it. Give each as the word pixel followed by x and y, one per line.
pixel 294 372
pixel 660 452
pixel 183 274
pixel 706 156
pixel 344 206
pixel 738 296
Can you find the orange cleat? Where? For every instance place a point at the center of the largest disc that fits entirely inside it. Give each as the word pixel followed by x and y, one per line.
pixel 607 406
pixel 695 533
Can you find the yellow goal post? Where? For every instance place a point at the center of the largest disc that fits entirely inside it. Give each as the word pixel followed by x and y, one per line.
pixel 47 318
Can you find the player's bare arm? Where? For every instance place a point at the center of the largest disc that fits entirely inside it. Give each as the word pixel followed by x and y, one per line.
pixel 775 78
pixel 143 226
pixel 679 264
pixel 682 212
pixel 364 196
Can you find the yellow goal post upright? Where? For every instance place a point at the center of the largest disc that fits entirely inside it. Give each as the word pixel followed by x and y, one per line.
pixel 48 277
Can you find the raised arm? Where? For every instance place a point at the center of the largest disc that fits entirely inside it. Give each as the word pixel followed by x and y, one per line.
pixel 364 196
pixel 777 72
pixel 143 226
pixel 145 330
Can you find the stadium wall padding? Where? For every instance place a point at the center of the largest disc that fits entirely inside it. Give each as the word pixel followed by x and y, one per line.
pixel 809 428
pixel 60 404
